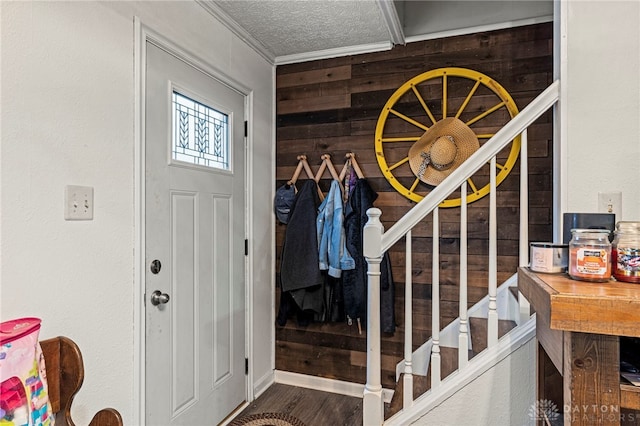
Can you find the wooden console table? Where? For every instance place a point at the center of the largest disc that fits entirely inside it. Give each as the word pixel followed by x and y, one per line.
pixel 578 325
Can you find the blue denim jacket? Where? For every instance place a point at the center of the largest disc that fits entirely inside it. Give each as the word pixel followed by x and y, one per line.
pixel 333 254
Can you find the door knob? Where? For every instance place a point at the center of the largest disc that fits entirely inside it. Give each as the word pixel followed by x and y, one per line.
pixel 157 298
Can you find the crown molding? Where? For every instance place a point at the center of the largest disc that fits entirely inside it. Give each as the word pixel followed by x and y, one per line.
pixel 226 20
pixel 333 53
pixel 391 18
pixel 480 28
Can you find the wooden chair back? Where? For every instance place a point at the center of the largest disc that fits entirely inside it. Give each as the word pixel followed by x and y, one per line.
pixel 65 374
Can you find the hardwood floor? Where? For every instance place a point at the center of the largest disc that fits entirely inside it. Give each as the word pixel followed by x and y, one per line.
pixel 316 408
pixel 313 407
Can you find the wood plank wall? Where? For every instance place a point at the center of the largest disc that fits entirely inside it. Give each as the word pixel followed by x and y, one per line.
pixel 332 106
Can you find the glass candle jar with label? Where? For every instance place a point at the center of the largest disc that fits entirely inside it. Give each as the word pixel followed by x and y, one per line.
pixel 590 255
pixel 625 252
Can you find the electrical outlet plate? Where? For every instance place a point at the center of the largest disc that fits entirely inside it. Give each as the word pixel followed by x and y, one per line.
pixel 78 202
pixel 610 202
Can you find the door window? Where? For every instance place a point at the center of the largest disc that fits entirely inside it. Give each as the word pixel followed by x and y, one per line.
pixel 200 134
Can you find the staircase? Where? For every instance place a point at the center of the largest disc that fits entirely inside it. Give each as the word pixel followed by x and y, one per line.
pixel 482 335
pixel 478 335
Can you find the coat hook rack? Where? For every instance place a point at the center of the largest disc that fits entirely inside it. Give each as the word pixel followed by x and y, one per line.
pixel 326 164
pixel 351 159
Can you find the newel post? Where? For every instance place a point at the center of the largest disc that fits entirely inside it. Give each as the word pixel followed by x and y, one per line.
pixel 373 406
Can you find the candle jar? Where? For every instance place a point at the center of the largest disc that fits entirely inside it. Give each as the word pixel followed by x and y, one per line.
pixel 625 252
pixel 590 255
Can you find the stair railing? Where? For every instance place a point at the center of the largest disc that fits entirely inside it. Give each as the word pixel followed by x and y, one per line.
pixel 376 242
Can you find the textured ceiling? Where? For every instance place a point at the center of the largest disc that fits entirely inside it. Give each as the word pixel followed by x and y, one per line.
pixel 286 31
pixel 287 27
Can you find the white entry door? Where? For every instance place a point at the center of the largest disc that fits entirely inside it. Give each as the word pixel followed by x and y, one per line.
pixel 194 244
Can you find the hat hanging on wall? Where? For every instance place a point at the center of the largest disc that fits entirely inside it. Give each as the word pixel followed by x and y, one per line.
pixel 441 150
pixel 283 202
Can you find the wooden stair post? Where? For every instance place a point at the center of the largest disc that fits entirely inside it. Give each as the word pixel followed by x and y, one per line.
pixel 373 407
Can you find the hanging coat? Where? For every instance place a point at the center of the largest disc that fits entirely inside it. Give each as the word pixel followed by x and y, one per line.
pixel 355 281
pixel 299 270
pixel 334 257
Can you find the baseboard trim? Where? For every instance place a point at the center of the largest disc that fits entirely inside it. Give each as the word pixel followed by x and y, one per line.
pixel 263 384
pixel 326 385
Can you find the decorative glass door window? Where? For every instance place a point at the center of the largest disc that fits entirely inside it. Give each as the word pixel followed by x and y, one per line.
pixel 200 134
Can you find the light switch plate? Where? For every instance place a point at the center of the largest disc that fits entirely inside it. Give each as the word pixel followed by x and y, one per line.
pixel 610 202
pixel 78 202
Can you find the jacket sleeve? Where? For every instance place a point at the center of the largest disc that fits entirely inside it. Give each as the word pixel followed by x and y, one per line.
pixel 323 229
pixel 338 255
pixel 344 260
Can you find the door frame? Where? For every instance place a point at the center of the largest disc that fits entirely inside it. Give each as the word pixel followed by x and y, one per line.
pixel 142 35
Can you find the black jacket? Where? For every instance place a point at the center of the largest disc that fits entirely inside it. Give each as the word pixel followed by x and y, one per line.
pixel 299 267
pixel 355 281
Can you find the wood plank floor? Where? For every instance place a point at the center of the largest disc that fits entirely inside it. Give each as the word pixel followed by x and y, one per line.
pixel 313 407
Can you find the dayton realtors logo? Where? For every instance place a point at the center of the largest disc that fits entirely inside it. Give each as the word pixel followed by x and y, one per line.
pixel 550 413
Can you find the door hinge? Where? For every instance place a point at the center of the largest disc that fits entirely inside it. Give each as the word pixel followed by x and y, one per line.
pixel 246 129
pixel 246 366
pixel 246 247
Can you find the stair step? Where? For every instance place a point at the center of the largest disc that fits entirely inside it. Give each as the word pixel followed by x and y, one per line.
pixel 449 358
pixel 514 292
pixel 421 384
pixel 478 329
pixel 448 361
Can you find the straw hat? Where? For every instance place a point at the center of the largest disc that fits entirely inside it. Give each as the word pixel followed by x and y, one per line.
pixel 441 150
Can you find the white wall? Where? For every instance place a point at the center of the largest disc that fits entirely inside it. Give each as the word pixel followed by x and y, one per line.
pixel 502 396
pixel 430 19
pixel 67 110
pixel 602 81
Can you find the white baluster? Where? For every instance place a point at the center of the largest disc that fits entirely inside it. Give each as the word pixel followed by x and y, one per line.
pixel 463 336
pixel 407 395
pixel 372 403
pixel 523 303
pixel 492 317
pixel 435 303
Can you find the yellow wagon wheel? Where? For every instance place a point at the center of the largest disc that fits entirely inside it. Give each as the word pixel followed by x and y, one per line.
pixel 481 104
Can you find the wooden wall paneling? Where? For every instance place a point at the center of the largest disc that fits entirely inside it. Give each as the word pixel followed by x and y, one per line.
pixel 323 75
pixel 307 131
pixel 318 103
pixel 332 106
pixel 314 65
pixel 313 91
